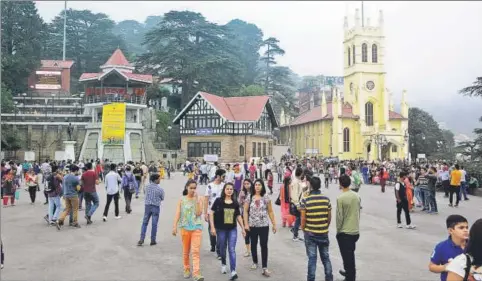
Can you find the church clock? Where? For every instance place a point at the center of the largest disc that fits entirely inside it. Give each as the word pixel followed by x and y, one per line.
pixel 370 85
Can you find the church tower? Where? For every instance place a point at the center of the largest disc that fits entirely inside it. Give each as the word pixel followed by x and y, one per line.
pixel 364 74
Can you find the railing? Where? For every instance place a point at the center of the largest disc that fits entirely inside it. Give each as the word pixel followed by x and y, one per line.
pixel 113 98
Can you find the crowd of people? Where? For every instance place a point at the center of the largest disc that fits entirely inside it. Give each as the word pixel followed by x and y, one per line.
pixel 237 200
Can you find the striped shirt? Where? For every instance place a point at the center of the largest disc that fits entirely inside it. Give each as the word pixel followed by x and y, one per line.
pixel 317 208
pixel 154 194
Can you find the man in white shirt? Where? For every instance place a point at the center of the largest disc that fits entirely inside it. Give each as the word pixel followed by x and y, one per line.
pixel 112 181
pixel 204 173
pixel 213 191
pixel 463 184
pixel 212 171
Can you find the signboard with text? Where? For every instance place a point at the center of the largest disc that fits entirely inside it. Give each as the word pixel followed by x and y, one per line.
pixel 204 132
pixel 48 80
pixel 333 80
pixel 113 123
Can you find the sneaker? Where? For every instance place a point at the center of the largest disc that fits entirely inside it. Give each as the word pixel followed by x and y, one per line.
pixel 46 218
pixel 213 249
pixel 342 272
pixel 254 266
pixel 456 205
pixel 153 243
pixel 450 205
pixel 140 242
pixel 223 269
pixel 187 274
pixel 466 199
pixel 59 224
pixel 1 266
pixel 266 272
pixel 246 254
pixel 104 218
pixel 411 226
pixel 76 225
pixel 219 257
pixel 118 217
pixel 234 275
pixel 399 225
pixel 198 278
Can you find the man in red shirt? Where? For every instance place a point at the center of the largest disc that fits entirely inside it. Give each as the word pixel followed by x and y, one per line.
pixel 89 180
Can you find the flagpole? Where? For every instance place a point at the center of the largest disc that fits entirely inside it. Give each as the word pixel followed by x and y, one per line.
pixel 65 28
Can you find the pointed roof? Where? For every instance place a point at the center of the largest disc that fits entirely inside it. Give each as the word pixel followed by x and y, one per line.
pixel 117 59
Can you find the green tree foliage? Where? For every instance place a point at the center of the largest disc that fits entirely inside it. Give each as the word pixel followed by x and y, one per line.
pixel 6 100
pixel 23 35
pixel 472 149
pixel 186 47
pixel 269 58
pixel 425 134
pixel 249 38
pixel 12 140
pixel 90 40
pixel 474 90
pixel 132 33
pixel 170 137
pixel 251 90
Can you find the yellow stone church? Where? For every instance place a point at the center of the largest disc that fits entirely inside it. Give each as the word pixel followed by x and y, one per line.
pixel 359 122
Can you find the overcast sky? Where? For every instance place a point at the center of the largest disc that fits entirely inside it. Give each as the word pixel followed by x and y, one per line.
pixel 433 49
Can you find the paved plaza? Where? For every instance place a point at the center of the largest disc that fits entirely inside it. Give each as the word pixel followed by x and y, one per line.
pixel 108 251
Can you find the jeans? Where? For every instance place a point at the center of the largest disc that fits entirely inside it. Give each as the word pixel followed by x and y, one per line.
pixel 128 199
pixel 151 211
pixel 446 185
pixel 116 204
pixel 365 178
pixel 137 187
pixel 463 190
pixel 81 198
pixel 213 241
pixel 313 244
pixel 426 198
pixel 91 203
pixel 296 227
pixel 32 190
pixel 403 205
pixel 262 233
pixel 228 238
pixel 347 244
pixel 432 200
pixel 54 204
pixel 454 190
pixel 418 195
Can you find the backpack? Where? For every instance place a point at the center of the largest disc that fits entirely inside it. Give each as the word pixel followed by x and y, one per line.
pixel 468 266
pixel 130 184
pixel 50 186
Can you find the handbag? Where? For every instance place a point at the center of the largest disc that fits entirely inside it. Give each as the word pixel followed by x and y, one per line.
pixel 17 194
pixel 278 201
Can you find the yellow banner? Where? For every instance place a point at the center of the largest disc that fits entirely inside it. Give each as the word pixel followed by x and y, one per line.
pixel 113 123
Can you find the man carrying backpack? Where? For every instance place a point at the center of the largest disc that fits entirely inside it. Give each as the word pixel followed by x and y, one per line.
pixel 53 189
pixel 129 185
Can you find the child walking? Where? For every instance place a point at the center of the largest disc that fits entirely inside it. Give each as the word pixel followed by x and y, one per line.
pixel 188 219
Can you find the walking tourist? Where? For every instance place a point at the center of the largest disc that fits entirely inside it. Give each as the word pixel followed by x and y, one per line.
pixel 402 202
pixel 188 218
pixel 315 219
pixel 347 226
pixel 223 218
pixel 431 194
pixel 89 181
pixel 286 218
pixel 129 186
pixel 112 181
pixel 139 174
pixel 31 181
pixel 9 186
pixel 468 265
pixel 213 191
pixel 54 187
pixel 445 251
pixel 455 180
pixel 152 203
pixel 71 187
pixel 245 193
pixel 296 190
pixel 259 208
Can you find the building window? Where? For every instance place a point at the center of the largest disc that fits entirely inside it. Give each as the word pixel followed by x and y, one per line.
pixel 354 60
pixel 369 114
pixel 364 55
pixel 254 150
pixel 259 150
pixel 198 149
pixel 394 148
pixel 346 140
pixel 241 150
pixel 349 56
pixel 374 53
pixel 264 149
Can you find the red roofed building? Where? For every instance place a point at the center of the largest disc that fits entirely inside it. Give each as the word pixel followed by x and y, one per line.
pixel 116 82
pixel 234 128
pixel 53 76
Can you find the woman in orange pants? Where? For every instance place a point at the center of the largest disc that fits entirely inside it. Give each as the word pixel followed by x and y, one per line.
pixel 188 218
pixel 409 192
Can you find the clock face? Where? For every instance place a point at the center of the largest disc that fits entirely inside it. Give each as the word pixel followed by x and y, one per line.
pixel 370 85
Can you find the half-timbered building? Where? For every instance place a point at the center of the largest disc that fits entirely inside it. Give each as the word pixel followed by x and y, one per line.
pixel 234 128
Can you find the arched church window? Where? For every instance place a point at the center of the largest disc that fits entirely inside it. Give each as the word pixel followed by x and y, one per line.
pixel 369 114
pixel 354 61
pixel 349 56
pixel 364 52
pixel 374 53
pixel 346 140
pixel 241 150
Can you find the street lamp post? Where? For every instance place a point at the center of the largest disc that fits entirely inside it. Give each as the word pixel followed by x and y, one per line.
pixel 168 136
pixel 82 102
pixel 157 132
pixel 24 95
pixel 406 137
pixel 15 111
pixel 76 104
pixel 53 101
